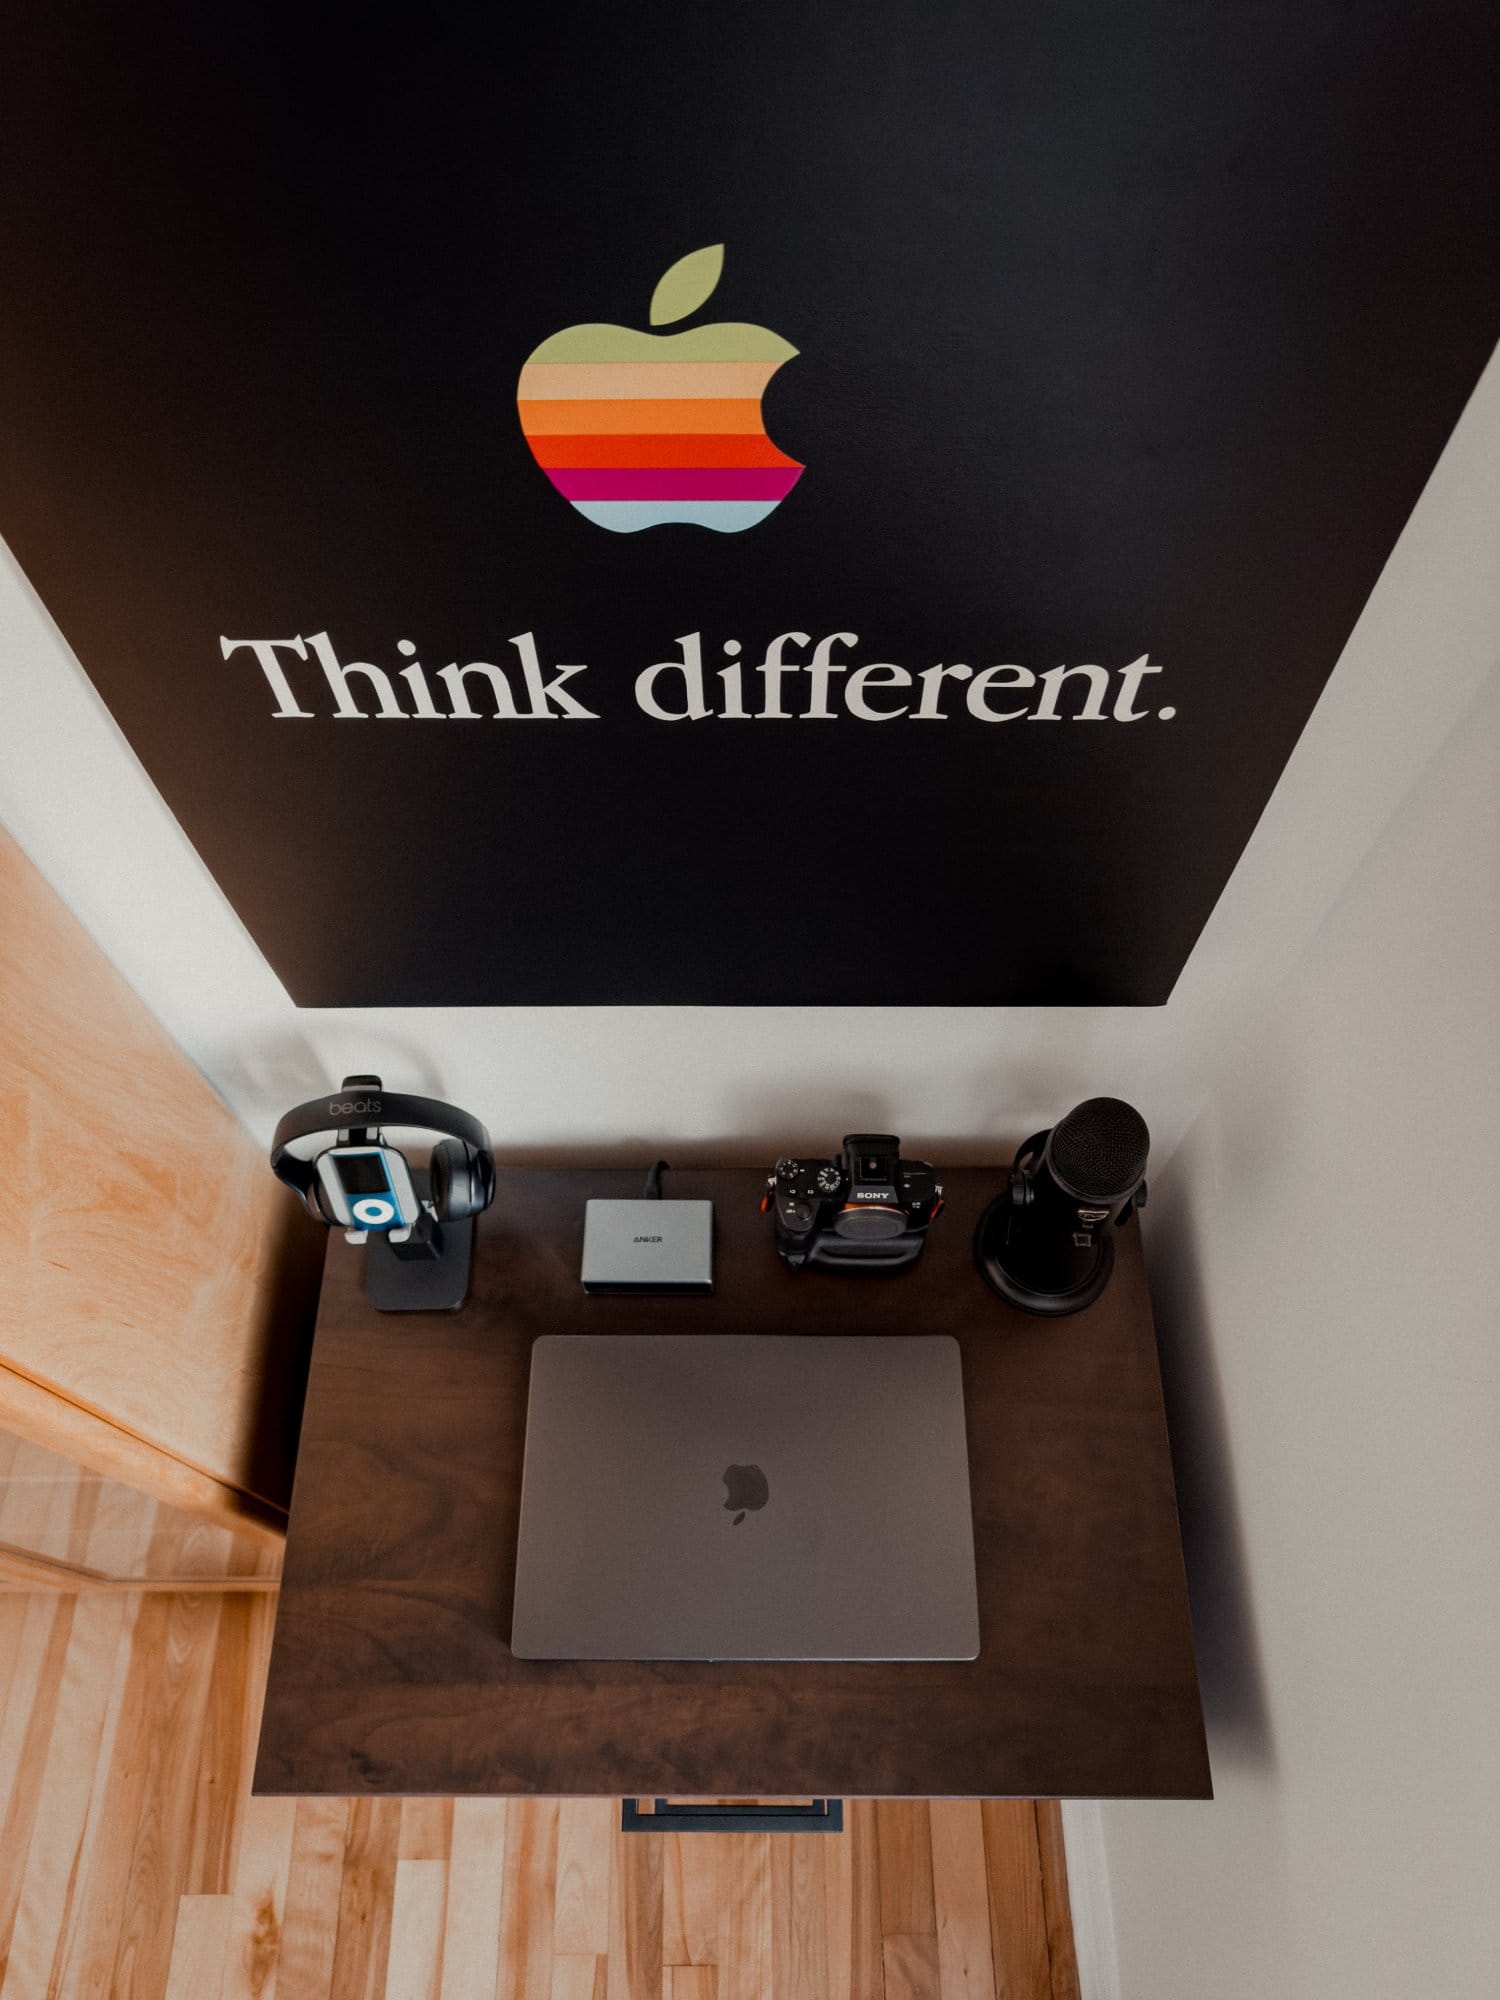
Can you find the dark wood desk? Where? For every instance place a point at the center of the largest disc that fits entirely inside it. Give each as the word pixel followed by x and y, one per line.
pixel 391 1671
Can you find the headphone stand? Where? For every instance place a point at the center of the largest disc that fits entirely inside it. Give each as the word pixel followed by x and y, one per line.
pixel 428 1274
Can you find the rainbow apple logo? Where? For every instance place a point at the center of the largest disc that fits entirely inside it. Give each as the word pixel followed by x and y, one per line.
pixel 639 429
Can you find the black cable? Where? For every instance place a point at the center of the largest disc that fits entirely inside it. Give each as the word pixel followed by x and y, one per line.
pixel 653 1180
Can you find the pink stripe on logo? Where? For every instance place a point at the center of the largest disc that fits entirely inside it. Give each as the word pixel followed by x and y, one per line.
pixel 685 483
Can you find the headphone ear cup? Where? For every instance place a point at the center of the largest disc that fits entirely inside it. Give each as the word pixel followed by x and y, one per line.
pixel 317 1203
pixel 467 1177
pixel 448 1180
pixel 461 1180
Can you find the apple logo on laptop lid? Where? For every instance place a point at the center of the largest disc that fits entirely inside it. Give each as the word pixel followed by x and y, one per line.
pixel 747 1490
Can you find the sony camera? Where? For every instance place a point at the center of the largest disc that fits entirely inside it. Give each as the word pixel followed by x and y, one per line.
pixel 868 1210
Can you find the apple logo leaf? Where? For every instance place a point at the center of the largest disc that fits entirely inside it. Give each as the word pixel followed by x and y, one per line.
pixel 685 286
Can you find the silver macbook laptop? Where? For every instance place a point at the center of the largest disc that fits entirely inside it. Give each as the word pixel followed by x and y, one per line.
pixel 729 1497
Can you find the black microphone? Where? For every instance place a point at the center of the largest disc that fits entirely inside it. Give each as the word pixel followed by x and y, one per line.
pixel 1047 1242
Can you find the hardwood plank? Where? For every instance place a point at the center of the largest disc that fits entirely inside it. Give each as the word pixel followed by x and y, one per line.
pixel 745 1969
pixel 691 1982
pixel 173 1720
pixel 415 1967
pixel 911 1968
pixel 1018 1920
pixel 585 1830
pixel 24 1740
pixel 838 1901
pixel 129 1799
pixel 961 1900
pixel 904 1831
pixel 634 1967
pixel 77 1953
pixel 1060 1946
pixel 866 1956
pixel 310 1931
pixel 35 1518
pixel 799 1916
pixel 781 1916
pixel 196 1970
pixel 184 1545
pixel 577 1976
pixel 476 1878
pixel 252 1950
pixel 426 1829
pixel 123 1529
pixel 362 1947
pixel 227 1751
pixel 692 1896
pixel 22 1573
pixel 257 1555
pixel 47 1505
pixel 12 1623
pixel 56 1859
pixel 259 1637
pixel 31 1511
pixel 89 1967
pixel 529 1899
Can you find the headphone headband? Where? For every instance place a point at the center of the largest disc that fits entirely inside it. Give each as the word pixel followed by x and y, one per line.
pixel 365 1105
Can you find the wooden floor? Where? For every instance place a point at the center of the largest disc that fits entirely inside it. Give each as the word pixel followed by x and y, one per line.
pixel 134 1863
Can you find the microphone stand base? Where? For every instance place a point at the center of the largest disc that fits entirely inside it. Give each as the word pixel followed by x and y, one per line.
pixel 1047 1305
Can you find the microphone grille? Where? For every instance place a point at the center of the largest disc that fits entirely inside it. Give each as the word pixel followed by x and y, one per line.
pixel 1099 1151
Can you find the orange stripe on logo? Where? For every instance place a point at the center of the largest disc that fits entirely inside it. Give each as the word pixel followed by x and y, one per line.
pixel 662 413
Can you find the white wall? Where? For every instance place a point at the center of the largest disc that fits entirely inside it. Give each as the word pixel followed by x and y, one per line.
pixel 1326 1269
pixel 737 1083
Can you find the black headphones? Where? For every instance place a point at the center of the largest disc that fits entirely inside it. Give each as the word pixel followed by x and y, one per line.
pixel 461 1172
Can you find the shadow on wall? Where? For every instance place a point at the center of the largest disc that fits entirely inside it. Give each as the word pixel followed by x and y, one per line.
pixel 287 1069
pixel 1229 1663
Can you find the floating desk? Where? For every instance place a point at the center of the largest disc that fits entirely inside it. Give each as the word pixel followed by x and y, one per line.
pixel 390 1669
